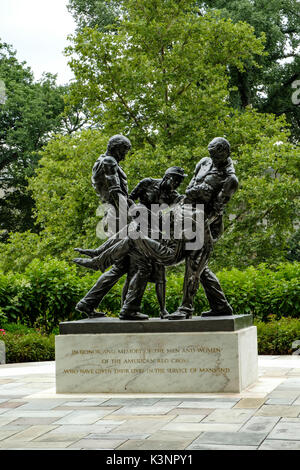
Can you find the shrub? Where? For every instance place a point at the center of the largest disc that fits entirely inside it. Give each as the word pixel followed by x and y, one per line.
pixel 27 345
pixel 277 336
pixel 48 291
pixel 44 295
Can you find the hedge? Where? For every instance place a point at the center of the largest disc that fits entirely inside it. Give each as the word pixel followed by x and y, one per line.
pixel 47 292
pixel 25 344
pixel 275 337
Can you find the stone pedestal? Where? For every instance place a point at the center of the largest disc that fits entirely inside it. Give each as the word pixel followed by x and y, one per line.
pixel 2 353
pixel 156 356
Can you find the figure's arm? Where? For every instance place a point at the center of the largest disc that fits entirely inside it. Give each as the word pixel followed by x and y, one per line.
pixel 200 192
pixel 136 192
pixel 229 188
pixel 193 180
pixel 110 169
pixel 203 191
pixel 174 198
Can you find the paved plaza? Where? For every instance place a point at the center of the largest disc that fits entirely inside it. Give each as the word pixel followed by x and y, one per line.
pixel 266 416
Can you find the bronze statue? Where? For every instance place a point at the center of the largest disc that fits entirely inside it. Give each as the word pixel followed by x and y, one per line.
pixel 212 186
pixel 110 183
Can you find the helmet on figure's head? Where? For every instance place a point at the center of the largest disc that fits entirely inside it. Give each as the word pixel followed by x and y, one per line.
pixel 175 170
pixel 172 178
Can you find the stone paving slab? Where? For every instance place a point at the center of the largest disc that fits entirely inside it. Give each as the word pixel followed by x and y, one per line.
pixel 285 431
pixel 260 424
pixel 236 416
pixel 201 427
pixel 229 438
pixel 265 416
pixel 191 411
pixel 149 444
pixel 283 411
pixel 188 418
pixel 95 444
pixel 32 432
pixel 219 447
pixel 208 404
pixel 144 410
pixel 249 403
pixel 270 444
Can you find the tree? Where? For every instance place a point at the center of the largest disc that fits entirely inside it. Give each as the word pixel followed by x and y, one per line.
pixel 162 78
pixel 269 88
pixel 94 13
pixel 29 113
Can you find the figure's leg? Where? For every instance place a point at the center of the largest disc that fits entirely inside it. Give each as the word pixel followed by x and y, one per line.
pixel 132 303
pixel 105 282
pixel 147 248
pixel 218 303
pixel 159 278
pixel 194 265
pixel 113 251
pixel 97 251
pixel 130 273
pixel 160 287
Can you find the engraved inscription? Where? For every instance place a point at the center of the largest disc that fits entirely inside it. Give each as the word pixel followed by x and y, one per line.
pixel 125 358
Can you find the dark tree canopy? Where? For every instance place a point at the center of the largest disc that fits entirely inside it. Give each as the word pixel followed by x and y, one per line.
pixel 269 89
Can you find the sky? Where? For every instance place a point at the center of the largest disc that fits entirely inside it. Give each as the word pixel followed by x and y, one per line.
pixel 38 30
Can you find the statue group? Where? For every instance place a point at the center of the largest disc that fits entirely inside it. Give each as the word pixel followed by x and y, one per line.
pixel 133 251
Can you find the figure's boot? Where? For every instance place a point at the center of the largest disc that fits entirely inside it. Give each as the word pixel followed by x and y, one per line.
pixel 225 312
pixel 91 312
pixel 133 316
pixel 97 252
pixel 108 257
pixel 90 253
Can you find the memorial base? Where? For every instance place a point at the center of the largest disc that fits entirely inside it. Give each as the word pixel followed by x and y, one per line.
pixel 153 362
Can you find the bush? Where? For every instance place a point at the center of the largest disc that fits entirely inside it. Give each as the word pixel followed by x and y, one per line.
pixel 48 291
pixel 44 295
pixel 277 336
pixel 25 344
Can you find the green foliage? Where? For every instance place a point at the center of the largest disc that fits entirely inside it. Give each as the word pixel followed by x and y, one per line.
pixel 48 291
pixel 25 346
pixel 66 203
pixel 163 80
pixel 44 295
pixel 94 13
pixel 277 336
pixel 293 253
pixel 163 76
pixel 268 88
pixel 30 112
